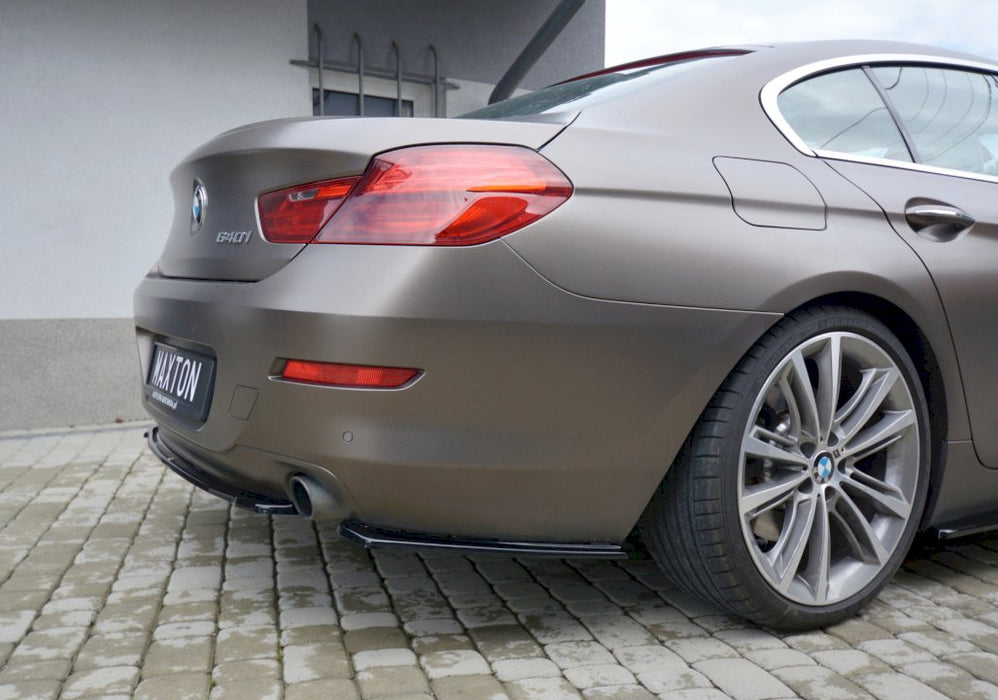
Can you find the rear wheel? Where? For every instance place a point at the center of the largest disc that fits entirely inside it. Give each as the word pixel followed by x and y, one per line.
pixel 800 489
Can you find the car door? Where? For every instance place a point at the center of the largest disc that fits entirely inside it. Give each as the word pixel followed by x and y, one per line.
pixel 940 193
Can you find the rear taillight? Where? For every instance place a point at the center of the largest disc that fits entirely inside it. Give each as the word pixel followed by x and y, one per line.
pixel 296 214
pixel 335 374
pixel 450 195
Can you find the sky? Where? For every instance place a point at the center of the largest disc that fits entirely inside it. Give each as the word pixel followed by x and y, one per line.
pixel 643 28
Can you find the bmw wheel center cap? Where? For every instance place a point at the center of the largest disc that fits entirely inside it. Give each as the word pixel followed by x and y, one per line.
pixel 823 468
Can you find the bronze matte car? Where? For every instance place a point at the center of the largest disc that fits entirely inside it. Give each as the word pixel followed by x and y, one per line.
pixel 743 297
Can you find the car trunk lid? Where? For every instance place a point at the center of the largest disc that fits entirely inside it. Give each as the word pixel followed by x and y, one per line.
pixel 216 232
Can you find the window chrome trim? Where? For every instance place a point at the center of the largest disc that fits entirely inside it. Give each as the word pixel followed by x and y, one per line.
pixel 770 93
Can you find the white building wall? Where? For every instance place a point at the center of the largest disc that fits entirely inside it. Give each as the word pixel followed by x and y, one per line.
pixel 98 101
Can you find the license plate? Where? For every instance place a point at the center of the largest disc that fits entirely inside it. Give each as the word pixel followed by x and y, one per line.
pixel 180 381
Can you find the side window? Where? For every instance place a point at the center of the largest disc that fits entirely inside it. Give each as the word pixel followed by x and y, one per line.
pixel 842 112
pixel 950 115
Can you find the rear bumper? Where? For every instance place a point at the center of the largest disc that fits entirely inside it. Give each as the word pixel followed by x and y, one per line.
pixel 541 415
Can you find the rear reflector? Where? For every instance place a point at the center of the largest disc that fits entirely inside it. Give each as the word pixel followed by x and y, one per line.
pixel 333 374
pixel 296 214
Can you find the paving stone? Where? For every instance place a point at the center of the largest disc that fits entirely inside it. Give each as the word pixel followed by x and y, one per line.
pixel 324 689
pixel 180 655
pixel 313 634
pixel 308 617
pixel 950 680
pixel 179 687
pixel 364 660
pixel 14 625
pixel 741 679
pixel 750 639
pixel 850 662
pixel 375 638
pixel 261 670
pixel 483 687
pixel 503 642
pixel 308 662
pixel 35 690
pixel 183 630
pixel 418 628
pixel 245 643
pixel 771 659
pixel 441 664
pixel 518 669
pixel 353 601
pixel 701 648
pixel 442 642
pixel 616 631
pixel 571 654
pixel 618 692
pixel 364 620
pixel 385 681
pixel 895 652
pixel 104 681
pixel 897 685
pixel 668 681
pixel 551 629
pixel 819 682
pixel 938 643
pixel 193 611
pixel 256 688
pixel 855 630
pixel 980 664
pixel 541 689
pixel 485 616
pixel 648 658
pixel 598 675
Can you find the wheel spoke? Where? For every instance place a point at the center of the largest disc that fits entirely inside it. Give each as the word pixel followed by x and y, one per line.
pixel 785 557
pixel 829 362
pixel 863 541
pixel 803 396
pixel 870 395
pixel 819 552
pixel 884 497
pixel 759 498
pixel 879 436
pixel 754 447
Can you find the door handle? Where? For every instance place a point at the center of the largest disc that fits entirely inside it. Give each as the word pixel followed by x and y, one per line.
pixel 937 221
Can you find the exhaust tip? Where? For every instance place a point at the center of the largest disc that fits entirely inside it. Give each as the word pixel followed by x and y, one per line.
pixel 299 496
pixel 314 501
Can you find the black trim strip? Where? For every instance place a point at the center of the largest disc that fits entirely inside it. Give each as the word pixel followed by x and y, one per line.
pixel 216 487
pixel 375 537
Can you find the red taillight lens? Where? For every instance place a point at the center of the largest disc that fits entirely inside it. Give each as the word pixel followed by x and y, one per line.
pixel 296 214
pixel 333 374
pixel 447 195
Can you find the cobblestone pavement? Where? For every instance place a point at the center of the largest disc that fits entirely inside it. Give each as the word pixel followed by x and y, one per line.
pixel 117 578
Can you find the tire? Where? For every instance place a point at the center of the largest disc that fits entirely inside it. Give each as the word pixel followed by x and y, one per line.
pixel 796 496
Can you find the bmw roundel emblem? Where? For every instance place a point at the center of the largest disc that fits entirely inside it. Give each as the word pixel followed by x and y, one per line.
pixel 199 203
pixel 824 467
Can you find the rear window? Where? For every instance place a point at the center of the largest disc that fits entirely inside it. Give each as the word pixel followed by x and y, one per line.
pixel 598 87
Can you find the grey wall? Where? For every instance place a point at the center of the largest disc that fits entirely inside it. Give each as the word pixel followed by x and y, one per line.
pixel 68 372
pixel 476 39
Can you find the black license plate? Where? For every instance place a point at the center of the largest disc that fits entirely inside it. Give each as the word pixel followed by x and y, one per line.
pixel 180 381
